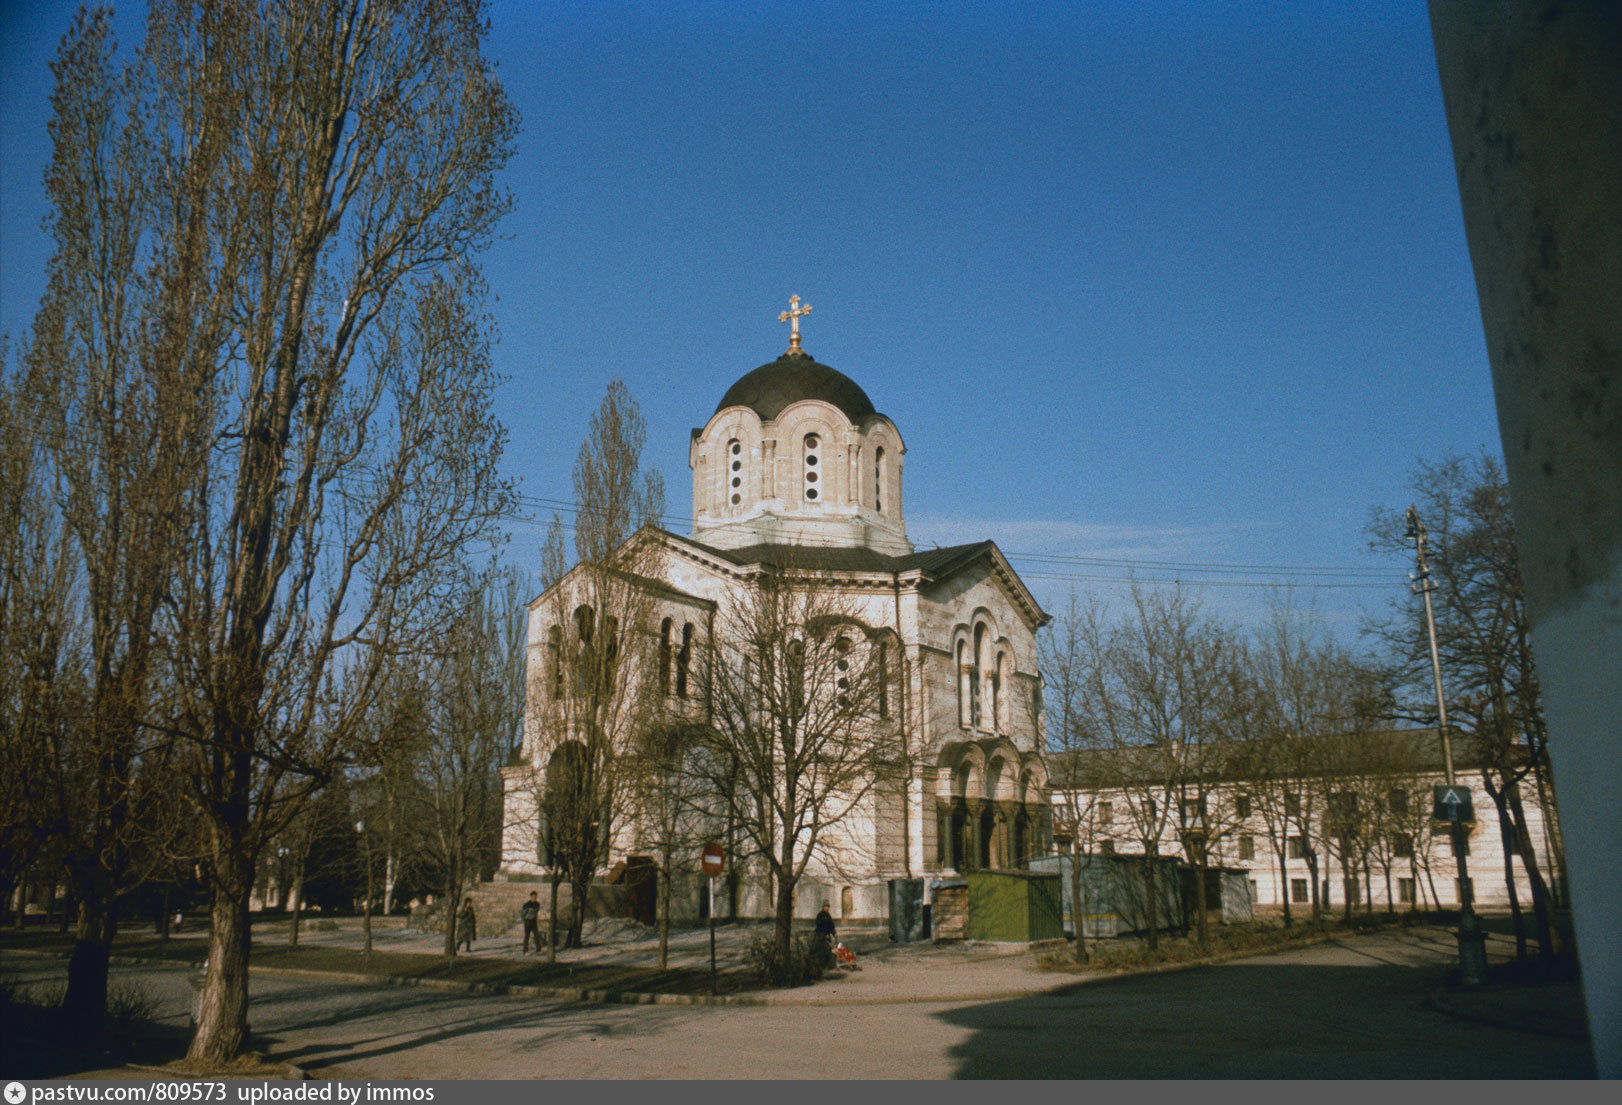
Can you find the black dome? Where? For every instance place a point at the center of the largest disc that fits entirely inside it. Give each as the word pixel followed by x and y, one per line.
pixel 790 378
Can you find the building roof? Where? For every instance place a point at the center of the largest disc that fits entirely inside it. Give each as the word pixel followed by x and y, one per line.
pixel 1379 752
pixel 817 558
pixel 792 377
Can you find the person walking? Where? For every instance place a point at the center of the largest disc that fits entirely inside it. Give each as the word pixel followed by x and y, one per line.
pixel 530 914
pixel 467 925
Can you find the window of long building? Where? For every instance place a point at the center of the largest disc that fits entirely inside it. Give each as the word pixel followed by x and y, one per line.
pixel 878 480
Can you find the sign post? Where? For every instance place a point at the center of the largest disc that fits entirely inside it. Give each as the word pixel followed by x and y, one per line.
pixel 714 860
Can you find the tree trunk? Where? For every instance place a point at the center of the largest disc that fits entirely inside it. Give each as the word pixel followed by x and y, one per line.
pixel 222 1021
pixel 1077 915
pixel 1151 911
pixel 578 889
pixel 1318 904
pixel 1203 933
pixel 552 921
pixel 1284 885
pixel 1506 836
pixel 1543 917
pixel 453 908
pixel 86 1000
pixel 388 882
pixel 298 907
pixel 782 933
pixel 664 912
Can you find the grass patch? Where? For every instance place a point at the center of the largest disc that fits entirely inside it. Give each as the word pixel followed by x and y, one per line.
pixel 41 1042
pixel 473 970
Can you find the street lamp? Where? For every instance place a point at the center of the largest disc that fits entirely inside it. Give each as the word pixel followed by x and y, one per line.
pixel 1472 941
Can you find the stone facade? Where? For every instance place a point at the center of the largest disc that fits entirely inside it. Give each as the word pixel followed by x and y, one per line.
pixel 796 471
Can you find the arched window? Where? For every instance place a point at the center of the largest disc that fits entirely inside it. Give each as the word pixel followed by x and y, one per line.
pixel 883 662
pixel 976 718
pixel 962 685
pixel 796 678
pixel 684 660
pixel 666 654
pixel 878 480
pixel 554 657
pixel 734 474
pixel 585 625
pixel 996 693
pixel 813 458
pixel 611 646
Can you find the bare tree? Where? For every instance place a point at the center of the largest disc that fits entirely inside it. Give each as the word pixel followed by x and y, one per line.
pixel 591 695
pixel 279 288
pixel 43 662
pixel 1072 747
pixel 1153 697
pixel 114 394
pixel 464 704
pixel 1484 643
pixel 795 745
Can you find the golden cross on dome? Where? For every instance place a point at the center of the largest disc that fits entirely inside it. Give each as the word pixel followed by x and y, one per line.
pixel 793 316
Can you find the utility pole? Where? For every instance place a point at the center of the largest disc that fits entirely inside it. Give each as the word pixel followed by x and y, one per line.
pixel 1472 941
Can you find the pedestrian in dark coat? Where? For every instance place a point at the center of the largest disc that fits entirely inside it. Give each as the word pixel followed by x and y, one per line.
pixel 825 925
pixel 467 925
pixel 530 914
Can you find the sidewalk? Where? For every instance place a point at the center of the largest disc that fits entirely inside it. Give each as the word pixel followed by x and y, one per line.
pixel 890 973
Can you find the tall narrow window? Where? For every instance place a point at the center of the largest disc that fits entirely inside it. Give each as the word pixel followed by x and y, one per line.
pixel 735 470
pixel 666 654
pixel 975 717
pixel 813 457
pixel 962 685
pixel 842 672
pixel 684 660
pixel 585 623
pixel 884 679
pixel 878 480
pixel 554 657
pixel 611 646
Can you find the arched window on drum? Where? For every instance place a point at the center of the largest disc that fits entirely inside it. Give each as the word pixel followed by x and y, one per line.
pixel 812 468
pixel 734 472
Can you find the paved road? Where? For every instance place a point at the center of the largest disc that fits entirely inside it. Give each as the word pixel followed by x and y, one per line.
pixel 1348 1009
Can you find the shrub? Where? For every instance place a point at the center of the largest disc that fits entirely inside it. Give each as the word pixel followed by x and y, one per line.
pixel 802 964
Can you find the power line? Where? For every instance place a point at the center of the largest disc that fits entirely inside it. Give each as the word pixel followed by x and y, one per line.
pixel 1317 577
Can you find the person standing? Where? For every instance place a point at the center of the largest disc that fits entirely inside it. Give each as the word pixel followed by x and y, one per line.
pixel 467 925
pixel 825 925
pixel 530 913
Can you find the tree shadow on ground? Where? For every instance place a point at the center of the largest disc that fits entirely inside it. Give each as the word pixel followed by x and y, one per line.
pixel 1367 1019
pixel 427 1018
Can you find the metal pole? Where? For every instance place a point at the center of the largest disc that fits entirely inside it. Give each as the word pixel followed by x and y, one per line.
pixel 712 934
pixel 1472 941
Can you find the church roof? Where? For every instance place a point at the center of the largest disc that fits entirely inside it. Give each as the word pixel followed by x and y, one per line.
pixel 791 378
pixel 931 561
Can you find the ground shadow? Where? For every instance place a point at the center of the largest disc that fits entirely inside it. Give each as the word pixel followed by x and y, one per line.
pixel 1252 1020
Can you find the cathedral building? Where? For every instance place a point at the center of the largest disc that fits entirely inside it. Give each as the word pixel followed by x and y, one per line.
pixel 797 471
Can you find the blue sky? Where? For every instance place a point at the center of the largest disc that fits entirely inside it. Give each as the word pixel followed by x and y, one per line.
pixel 1147 282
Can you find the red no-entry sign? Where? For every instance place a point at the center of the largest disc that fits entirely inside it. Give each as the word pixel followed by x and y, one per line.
pixel 715 857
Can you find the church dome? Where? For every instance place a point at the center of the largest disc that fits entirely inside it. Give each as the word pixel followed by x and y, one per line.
pixel 791 378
